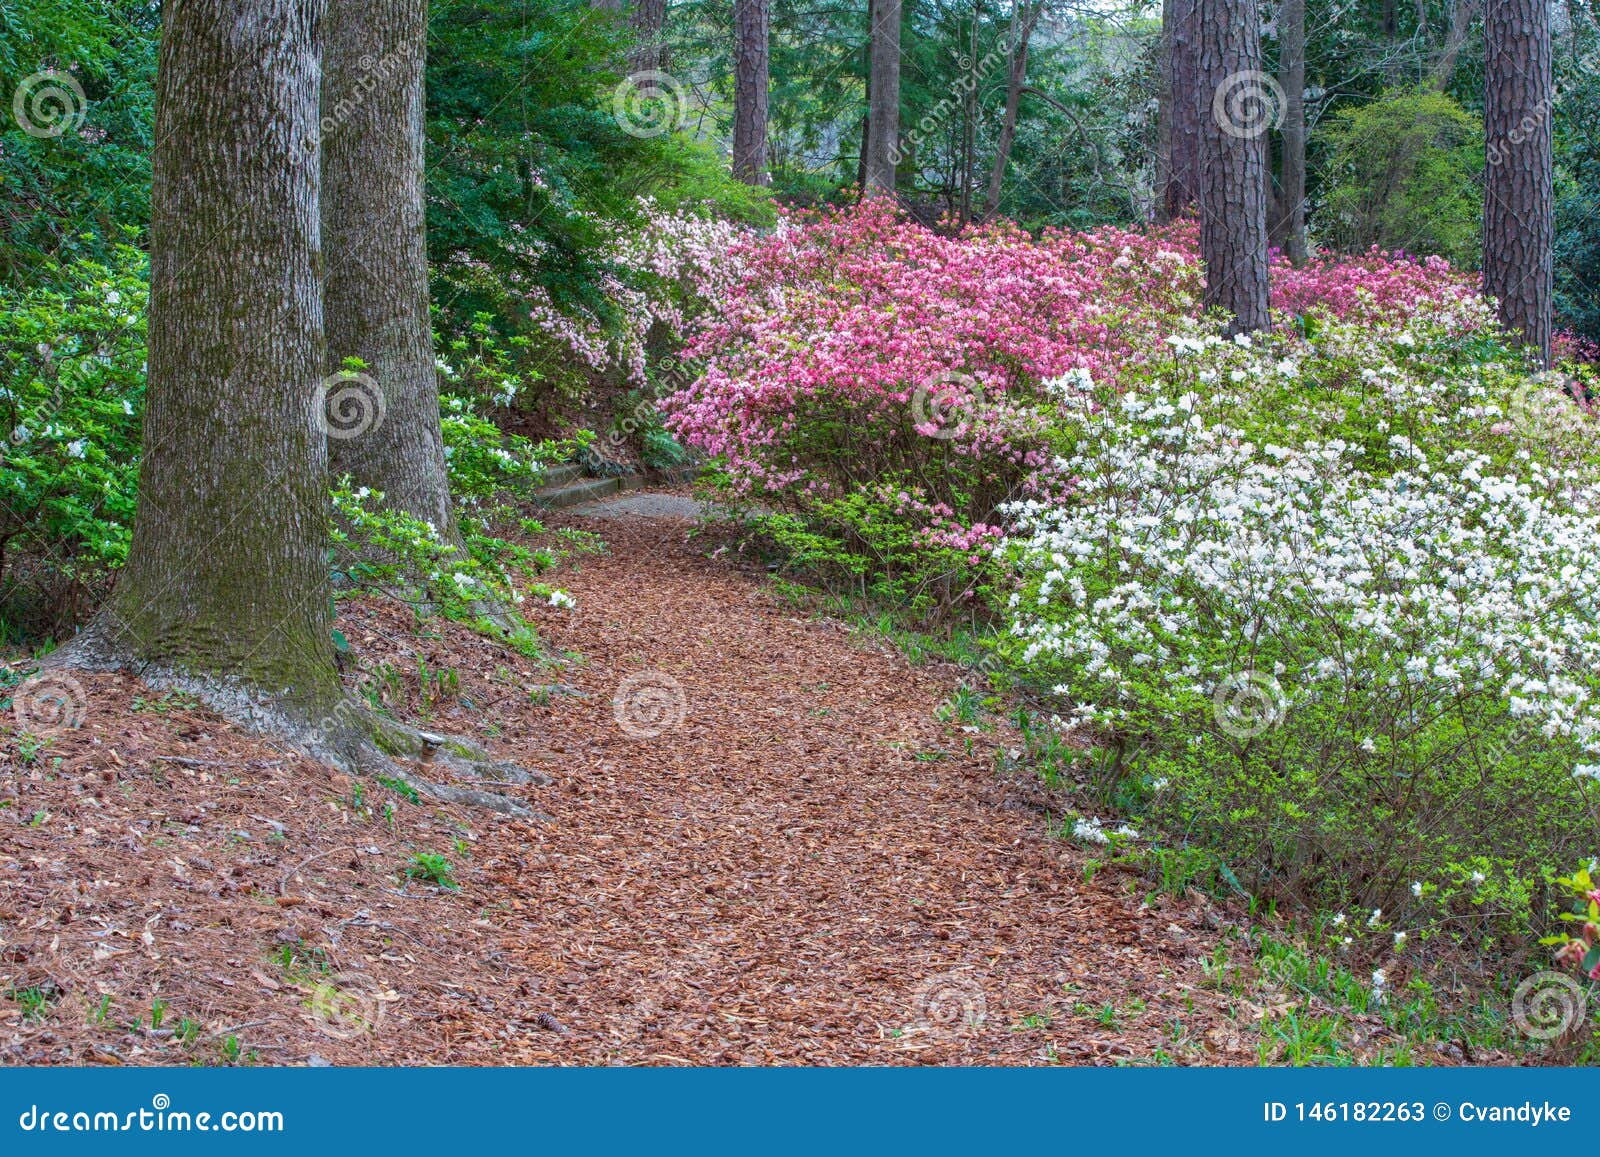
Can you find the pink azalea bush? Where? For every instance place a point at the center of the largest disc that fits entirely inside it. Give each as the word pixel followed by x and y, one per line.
pixel 667 272
pixel 1378 288
pixel 852 348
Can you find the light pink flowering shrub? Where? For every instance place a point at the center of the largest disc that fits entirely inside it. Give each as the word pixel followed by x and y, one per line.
pixel 1378 288
pixel 860 351
pixel 855 348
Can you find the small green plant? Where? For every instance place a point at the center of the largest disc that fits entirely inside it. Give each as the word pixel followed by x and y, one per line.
pixel 401 788
pixel 34 1001
pixel 434 869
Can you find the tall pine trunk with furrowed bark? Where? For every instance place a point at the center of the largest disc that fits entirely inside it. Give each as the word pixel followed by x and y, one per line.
pixel 1518 201
pixel 1178 165
pixel 1289 225
pixel 374 240
pixel 1234 122
pixel 751 35
pixel 226 583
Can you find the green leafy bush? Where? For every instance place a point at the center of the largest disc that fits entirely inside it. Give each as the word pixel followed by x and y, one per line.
pixel 1404 174
pixel 69 407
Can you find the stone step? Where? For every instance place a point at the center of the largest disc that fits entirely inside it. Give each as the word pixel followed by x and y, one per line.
pixel 561 497
pixel 558 476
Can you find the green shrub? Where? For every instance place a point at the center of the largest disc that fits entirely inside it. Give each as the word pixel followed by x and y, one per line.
pixel 73 388
pixel 1404 174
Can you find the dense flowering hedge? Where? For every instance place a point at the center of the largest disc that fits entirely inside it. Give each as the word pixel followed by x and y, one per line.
pixel 1329 593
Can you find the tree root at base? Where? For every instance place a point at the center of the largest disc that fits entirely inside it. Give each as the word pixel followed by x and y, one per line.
pixel 347 735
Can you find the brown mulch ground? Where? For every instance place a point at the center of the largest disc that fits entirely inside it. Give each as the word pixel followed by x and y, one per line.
pixel 804 866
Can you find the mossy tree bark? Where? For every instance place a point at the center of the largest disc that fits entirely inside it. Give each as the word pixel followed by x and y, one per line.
pixel 227 576
pixel 375 243
pixel 1233 164
pixel 1518 199
pixel 226 588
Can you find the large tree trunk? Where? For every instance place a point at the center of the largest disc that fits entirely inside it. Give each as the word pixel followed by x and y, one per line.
pixel 1233 165
pixel 649 19
pixel 1289 220
pixel 226 582
pixel 225 593
pixel 373 231
pixel 751 33
pixel 883 100
pixel 1178 182
pixel 1022 26
pixel 1517 195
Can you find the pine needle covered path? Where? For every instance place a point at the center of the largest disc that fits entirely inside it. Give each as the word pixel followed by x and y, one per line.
pixel 765 849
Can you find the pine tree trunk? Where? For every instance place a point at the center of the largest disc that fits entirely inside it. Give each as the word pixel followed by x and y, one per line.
pixel 649 19
pixel 1233 164
pixel 883 102
pixel 751 34
pixel 1021 31
pixel 1289 220
pixel 1178 185
pixel 374 239
pixel 226 583
pixel 1518 200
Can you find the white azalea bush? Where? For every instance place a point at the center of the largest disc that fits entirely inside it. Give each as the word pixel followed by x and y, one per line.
pixel 1332 598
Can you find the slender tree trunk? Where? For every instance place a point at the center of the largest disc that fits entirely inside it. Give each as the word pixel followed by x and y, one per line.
pixel 649 19
pixel 969 118
pixel 883 100
pixel 226 584
pixel 383 426
pixel 1022 27
pixel 1233 166
pixel 1461 19
pixel 1179 183
pixel 1518 202
pixel 751 35
pixel 1289 220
